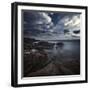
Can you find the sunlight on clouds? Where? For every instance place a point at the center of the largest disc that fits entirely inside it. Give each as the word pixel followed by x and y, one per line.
pixel 75 20
pixel 68 23
pixel 73 23
pixel 47 19
pixel 52 25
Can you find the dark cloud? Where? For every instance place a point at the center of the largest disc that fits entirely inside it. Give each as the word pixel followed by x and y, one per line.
pixel 39 20
pixel 50 24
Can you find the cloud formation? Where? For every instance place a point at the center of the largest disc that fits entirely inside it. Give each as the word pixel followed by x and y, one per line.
pixel 51 25
pixel 72 23
pixel 37 20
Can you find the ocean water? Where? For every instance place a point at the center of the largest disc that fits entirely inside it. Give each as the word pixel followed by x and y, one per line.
pixel 70 50
pixel 63 59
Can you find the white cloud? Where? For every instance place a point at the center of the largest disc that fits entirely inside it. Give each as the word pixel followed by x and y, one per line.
pixel 51 13
pixel 44 21
pixel 45 18
pixel 68 23
pixel 38 22
pixel 72 23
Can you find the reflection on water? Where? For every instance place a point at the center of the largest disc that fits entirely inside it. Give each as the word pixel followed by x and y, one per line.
pixel 52 58
pixel 70 50
pixel 55 49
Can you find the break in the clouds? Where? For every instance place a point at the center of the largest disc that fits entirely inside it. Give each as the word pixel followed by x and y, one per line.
pixel 52 25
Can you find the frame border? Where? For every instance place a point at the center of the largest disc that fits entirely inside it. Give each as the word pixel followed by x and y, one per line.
pixel 14 43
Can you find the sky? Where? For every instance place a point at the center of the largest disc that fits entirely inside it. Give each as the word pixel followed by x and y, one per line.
pixel 51 25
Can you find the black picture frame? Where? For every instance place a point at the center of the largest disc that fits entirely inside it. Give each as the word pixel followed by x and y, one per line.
pixel 14 43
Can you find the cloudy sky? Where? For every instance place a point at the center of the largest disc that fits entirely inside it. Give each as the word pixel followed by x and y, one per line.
pixel 51 25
